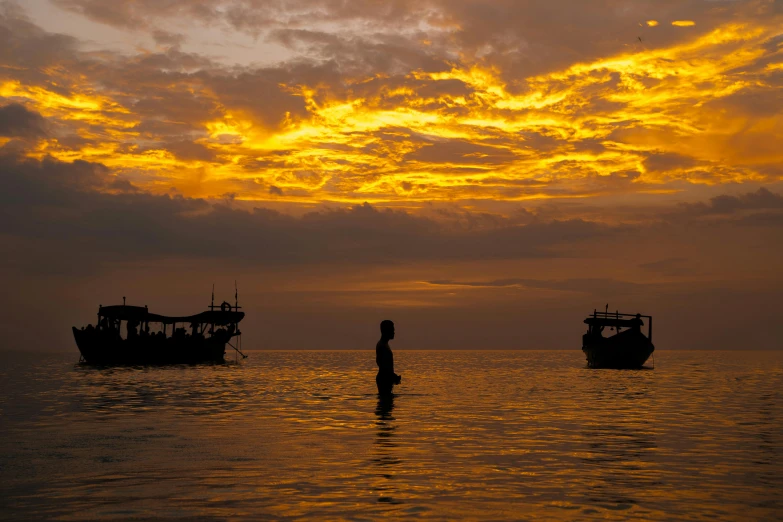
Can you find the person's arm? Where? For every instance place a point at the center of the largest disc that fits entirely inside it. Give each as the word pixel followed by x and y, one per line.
pixel 397 378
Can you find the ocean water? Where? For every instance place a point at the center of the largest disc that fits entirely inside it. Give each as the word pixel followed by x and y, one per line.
pixel 485 435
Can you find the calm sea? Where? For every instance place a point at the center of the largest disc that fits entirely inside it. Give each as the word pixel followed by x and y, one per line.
pixel 471 435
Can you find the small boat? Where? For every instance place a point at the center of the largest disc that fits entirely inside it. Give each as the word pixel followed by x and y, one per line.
pixel 205 341
pixel 628 348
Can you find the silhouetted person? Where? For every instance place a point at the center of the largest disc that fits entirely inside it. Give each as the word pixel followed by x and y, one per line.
pixel 637 323
pixel 131 327
pixel 593 334
pixel 386 378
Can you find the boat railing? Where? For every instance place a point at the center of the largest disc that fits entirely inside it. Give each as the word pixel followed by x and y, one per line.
pixel 617 315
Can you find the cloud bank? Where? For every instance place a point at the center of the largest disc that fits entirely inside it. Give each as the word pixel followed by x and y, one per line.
pixel 412 102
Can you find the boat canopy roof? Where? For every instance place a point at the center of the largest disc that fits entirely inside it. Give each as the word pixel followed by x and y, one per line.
pixel 142 315
pixel 613 321
pixel 618 320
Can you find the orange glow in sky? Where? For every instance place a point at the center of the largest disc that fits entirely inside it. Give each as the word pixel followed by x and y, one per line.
pixel 466 162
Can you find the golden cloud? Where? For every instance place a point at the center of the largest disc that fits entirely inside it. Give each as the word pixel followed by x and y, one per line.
pixel 459 133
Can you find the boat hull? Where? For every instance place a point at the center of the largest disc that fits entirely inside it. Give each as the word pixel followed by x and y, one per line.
pixel 627 350
pixel 108 348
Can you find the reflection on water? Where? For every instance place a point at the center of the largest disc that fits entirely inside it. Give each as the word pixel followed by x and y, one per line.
pixel 385 445
pixel 531 435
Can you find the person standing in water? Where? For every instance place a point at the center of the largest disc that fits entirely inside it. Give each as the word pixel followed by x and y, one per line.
pixel 386 378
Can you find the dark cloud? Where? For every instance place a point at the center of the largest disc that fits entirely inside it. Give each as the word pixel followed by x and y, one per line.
pixel 48 182
pixel 161 65
pixel 28 49
pixel 188 150
pixel 590 286
pixel 673 266
pixel 497 283
pixel 138 14
pixel 755 101
pixel 664 162
pixel 392 54
pixel 166 38
pixel 762 199
pixel 261 93
pixel 250 16
pixel 460 152
pixel 86 204
pixel 17 121
pixel 518 37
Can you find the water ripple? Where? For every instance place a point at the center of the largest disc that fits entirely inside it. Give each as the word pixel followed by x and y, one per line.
pixel 471 435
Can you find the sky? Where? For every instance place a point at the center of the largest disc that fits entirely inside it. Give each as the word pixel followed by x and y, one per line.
pixel 483 172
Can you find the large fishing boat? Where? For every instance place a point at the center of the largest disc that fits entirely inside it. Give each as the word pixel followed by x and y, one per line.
pixel 159 339
pixel 628 348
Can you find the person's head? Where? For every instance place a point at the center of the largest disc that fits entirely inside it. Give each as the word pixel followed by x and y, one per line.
pixel 387 329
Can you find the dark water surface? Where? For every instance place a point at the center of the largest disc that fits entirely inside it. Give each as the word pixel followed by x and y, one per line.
pixel 471 435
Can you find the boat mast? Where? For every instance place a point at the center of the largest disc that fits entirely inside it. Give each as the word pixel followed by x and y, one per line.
pixel 212 308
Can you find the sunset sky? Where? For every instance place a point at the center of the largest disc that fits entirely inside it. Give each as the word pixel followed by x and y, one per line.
pixel 482 172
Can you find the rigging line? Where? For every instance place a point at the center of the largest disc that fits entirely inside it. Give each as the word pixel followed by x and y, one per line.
pixel 237 349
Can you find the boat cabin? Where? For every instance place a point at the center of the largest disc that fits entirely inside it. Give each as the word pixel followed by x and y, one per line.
pixel 597 323
pixel 137 321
